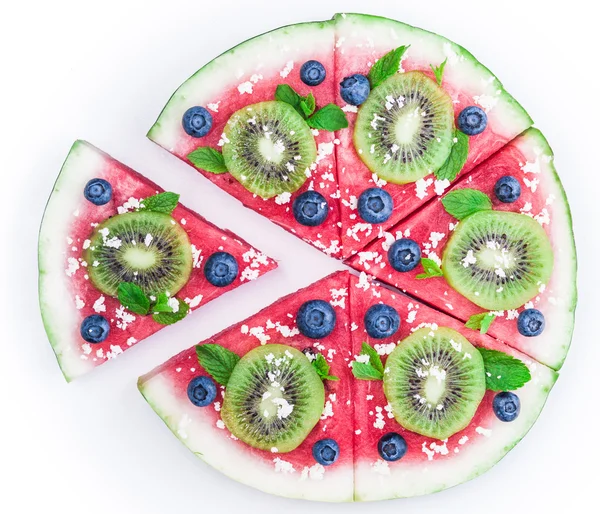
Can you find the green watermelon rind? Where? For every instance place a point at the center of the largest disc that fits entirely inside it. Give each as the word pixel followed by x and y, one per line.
pixel 179 102
pixel 516 114
pixel 564 240
pixel 54 297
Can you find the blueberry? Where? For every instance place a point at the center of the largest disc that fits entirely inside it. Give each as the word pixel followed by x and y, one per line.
pixel 472 120
pixel 94 328
pixel 382 321
pixel 531 323
pixel 316 319
pixel 404 255
pixel 392 447
pixel 507 189
pixel 312 73
pixel 310 209
pixel 98 191
pixel 355 89
pixel 221 269
pixel 507 406
pixel 202 391
pixel 197 121
pixel 375 205
pixel 326 451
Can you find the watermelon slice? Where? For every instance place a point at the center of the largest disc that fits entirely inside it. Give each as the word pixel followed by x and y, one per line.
pixel 295 474
pixel 428 465
pixel 529 159
pixel 247 74
pixel 360 41
pixel 66 294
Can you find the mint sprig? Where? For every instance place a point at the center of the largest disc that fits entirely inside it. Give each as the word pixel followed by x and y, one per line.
pixel 503 372
pixel 330 117
pixel 162 202
pixel 481 321
pixel 461 203
pixel 133 298
pixel 208 159
pixel 387 66
pixel 168 317
pixel 371 370
pixel 438 71
pixel 217 361
pixel 431 269
pixel 457 158
pixel 322 368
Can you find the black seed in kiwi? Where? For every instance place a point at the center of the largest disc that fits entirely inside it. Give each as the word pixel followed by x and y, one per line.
pixel 498 260
pixel 404 131
pixel 273 399
pixel 268 148
pixel 147 248
pixel 434 380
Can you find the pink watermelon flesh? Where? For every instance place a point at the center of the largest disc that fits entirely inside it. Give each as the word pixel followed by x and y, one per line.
pixel 295 474
pixel 66 294
pixel 266 61
pixel 361 41
pixel 529 159
pixel 429 465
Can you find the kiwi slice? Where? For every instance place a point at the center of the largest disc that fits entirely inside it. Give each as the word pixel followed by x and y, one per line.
pixel 404 130
pixel 145 247
pixel 268 148
pixel 274 398
pixel 434 380
pixel 498 260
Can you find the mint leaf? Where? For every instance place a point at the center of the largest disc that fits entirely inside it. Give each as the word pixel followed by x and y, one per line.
pixel 162 304
pixel 481 321
pixel 461 203
pixel 322 368
pixel 308 105
pixel 372 370
pixel 133 298
pixel 208 159
pixel 503 372
pixel 457 158
pixel 162 202
pixel 387 66
pixel 217 361
pixel 285 93
pixel 363 371
pixel 438 71
pixel 329 118
pixel 431 269
pixel 374 358
pixel 169 317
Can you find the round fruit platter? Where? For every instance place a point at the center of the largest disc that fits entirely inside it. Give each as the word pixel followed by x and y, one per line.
pixel 389 148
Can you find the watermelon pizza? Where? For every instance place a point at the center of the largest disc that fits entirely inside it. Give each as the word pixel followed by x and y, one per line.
pixel 120 259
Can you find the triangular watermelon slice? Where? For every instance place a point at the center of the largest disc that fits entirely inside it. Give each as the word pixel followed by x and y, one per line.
pixel 67 296
pixel 247 74
pixel 360 41
pixel 295 474
pixel 429 465
pixel 530 160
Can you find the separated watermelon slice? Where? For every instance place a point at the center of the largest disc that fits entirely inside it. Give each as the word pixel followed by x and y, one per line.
pixel 428 465
pixel 68 296
pixel 295 474
pixel 360 41
pixel 248 75
pixel 529 160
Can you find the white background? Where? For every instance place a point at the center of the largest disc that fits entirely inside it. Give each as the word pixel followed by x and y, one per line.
pixel 102 71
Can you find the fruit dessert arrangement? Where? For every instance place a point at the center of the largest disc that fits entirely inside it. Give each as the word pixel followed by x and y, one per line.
pixel 385 146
